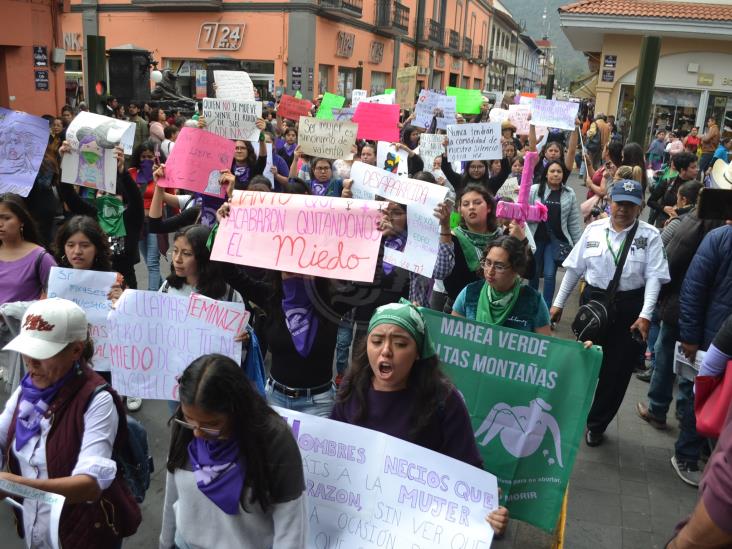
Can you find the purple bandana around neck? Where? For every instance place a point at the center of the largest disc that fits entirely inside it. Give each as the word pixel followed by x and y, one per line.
pixel 300 317
pixel 218 471
pixel 396 242
pixel 145 172
pixel 32 404
pixel 242 175
pixel 317 188
pixel 290 149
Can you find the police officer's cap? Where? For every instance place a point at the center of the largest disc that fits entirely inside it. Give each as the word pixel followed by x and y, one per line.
pixel 627 190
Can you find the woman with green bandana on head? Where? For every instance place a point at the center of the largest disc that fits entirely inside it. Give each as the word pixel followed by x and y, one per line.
pixel 500 298
pixel 395 386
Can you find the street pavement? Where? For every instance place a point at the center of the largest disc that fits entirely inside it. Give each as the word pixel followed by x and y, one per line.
pixel 623 494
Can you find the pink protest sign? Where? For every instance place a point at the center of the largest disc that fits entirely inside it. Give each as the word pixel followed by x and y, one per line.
pixel 197 160
pixel 377 121
pixel 311 235
pixel 523 211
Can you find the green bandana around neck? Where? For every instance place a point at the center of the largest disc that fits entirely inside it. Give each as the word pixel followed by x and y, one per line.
pixel 110 211
pixel 473 245
pixel 406 316
pixel 494 306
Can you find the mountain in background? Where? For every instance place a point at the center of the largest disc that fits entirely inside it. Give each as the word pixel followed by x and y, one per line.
pixel 570 63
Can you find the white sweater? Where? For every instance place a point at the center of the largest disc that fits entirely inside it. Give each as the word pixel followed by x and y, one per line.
pixel 192 521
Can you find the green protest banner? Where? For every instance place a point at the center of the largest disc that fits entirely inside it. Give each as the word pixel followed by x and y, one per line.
pixel 330 101
pixel 466 101
pixel 528 397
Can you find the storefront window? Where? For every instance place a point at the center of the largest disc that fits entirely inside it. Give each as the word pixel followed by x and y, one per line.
pixel 323 78
pixel 74 81
pixel 720 108
pixel 437 80
pixel 346 81
pixel 672 110
pixel 379 81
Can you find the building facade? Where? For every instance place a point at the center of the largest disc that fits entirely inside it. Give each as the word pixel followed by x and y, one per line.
pixel 694 74
pixel 503 48
pixel 527 70
pixel 313 46
pixel 31 58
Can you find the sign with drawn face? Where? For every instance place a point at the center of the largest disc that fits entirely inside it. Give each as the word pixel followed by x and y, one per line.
pixel 23 140
pixel 92 139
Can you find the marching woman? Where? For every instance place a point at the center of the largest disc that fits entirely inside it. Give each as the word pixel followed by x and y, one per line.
pixel 410 143
pixel 24 263
pixel 395 386
pixel 563 228
pixel 501 299
pixel 596 257
pixel 58 430
pixel 552 151
pixel 234 472
pixel 320 170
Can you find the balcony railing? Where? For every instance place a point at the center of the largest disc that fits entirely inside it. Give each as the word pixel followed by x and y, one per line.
pixel 352 7
pixel 391 15
pixel 179 5
pixel 454 43
pixel 467 46
pixel 434 32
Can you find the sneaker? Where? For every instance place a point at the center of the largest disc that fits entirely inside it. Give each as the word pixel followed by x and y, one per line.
pixel 688 472
pixel 645 376
pixel 653 421
pixel 133 404
pixel 594 439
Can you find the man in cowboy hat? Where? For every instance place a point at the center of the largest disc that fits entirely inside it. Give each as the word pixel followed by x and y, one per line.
pixel 507 132
pixel 721 175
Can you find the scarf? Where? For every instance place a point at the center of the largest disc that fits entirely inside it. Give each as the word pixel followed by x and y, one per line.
pixel 242 175
pixel 300 317
pixel 110 215
pixel 290 149
pixel 494 306
pixel 145 173
pixel 473 245
pixel 218 471
pixel 32 405
pixel 396 242
pixel 408 317
pixel 209 206
pixel 317 188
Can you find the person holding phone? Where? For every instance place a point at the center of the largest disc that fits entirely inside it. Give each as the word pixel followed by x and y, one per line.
pixel 595 257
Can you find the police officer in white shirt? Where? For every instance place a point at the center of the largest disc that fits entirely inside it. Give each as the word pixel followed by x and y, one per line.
pixel 595 257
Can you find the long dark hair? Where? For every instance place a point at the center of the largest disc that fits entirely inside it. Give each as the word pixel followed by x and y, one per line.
pixel 489 199
pixel 466 179
pixel 16 205
pixel 251 158
pixel 217 384
pixel 545 171
pixel 148 145
pixel 90 228
pixel 406 132
pixel 210 277
pixel 430 385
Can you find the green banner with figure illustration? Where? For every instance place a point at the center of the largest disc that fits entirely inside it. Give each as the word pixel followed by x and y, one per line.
pixel 528 396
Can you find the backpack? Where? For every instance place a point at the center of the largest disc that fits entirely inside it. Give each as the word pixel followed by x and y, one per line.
pixel 593 143
pixel 134 459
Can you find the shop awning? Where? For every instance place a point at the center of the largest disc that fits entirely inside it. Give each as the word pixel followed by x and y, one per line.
pixel 584 87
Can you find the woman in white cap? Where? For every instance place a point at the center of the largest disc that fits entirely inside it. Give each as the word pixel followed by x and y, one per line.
pixel 58 430
pixel 595 257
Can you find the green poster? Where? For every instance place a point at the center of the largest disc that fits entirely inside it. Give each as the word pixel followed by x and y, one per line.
pixel 466 101
pixel 298 95
pixel 330 101
pixel 528 397
pixel 389 91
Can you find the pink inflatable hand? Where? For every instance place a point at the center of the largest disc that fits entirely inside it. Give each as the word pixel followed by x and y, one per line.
pixel 521 211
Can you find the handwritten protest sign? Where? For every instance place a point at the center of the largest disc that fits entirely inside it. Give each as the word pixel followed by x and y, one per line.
pixel 312 235
pixel 498 115
pixel 197 160
pixel 430 147
pixel 368 490
pixel 431 105
pixel 268 166
pixel 236 85
pixel 474 142
pixel 327 138
pixel 92 139
pixel 89 290
pixel 329 102
pixel 293 108
pixel 383 99
pixel 232 119
pixel 357 96
pixel 343 115
pixel 528 397
pixel 377 121
pixel 466 101
pixel 406 87
pixel 391 159
pixel 554 114
pixel 157 335
pixel 420 198
pixel 34 496
pixel 23 141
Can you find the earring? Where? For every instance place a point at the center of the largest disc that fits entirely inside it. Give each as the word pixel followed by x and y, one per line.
pixel 21 232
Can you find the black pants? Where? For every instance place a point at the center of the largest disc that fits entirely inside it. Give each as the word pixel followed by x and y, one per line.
pixel 619 357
